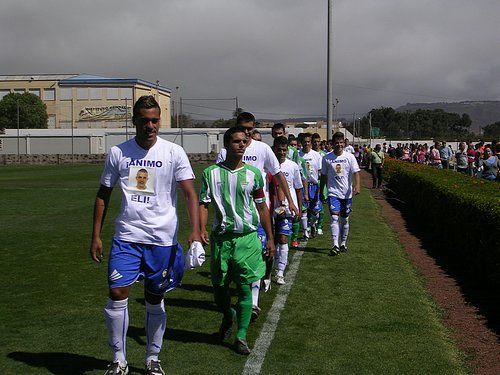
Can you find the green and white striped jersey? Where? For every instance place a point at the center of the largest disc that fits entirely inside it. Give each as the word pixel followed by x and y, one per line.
pixel 234 194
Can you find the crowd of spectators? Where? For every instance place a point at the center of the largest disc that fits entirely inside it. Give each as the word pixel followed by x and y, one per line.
pixel 481 160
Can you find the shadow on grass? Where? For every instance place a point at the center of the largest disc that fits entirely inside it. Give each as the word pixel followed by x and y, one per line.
pixel 205 274
pixel 197 288
pixel 173 334
pixel 310 249
pixel 484 297
pixel 188 303
pixel 60 363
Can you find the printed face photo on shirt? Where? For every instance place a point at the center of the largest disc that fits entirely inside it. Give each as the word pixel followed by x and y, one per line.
pixel 339 170
pixel 141 180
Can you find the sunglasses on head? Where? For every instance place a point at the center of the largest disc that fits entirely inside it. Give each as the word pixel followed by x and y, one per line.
pixel 146 120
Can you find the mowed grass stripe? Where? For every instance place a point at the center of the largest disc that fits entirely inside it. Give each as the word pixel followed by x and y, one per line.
pixel 365 312
pixel 53 296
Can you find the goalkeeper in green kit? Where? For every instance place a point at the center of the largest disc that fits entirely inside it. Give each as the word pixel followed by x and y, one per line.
pixel 236 190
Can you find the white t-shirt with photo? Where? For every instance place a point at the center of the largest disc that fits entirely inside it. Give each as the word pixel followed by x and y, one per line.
pixel 339 171
pixel 148 180
pixel 293 178
pixel 313 163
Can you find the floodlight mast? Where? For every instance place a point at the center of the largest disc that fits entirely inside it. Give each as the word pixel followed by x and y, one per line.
pixel 329 78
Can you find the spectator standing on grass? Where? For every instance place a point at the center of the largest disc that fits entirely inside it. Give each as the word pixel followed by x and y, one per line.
pixel 421 155
pixel 377 159
pixel 489 165
pixel 471 159
pixel 145 240
pixel 236 189
pixel 435 157
pixel 399 151
pixel 391 151
pixel 337 172
pixel 461 158
pixel 445 154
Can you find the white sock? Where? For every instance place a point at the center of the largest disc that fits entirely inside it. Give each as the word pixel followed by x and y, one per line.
pixel 116 314
pixel 334 227
pixel 283 258
pixel 156 323
pixel 344 229
pixel 255 293
pixel 303 221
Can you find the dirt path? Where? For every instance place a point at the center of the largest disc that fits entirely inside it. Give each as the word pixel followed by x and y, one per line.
pixel 469 327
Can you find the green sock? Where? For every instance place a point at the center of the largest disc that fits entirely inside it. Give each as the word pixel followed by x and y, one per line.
pixel 295 229
pixel 321 218
pixel 223 301
pixel 244 309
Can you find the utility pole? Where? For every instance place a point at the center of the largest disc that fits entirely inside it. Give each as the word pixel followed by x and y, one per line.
pixel 72 131
pixel 370 123
pixel 329 75
pixel 18 144
pixel 407 127
pixel 237 106
pixel 126 119
pixel 182 126
pixel 353 126
pixel 176 108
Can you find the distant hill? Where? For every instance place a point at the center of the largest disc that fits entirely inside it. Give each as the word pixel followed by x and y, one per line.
pixel 482 113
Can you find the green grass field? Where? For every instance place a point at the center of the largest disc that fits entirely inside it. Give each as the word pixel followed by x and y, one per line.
pixel 365 312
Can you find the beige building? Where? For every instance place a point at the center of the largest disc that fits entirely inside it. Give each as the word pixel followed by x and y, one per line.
pixel 87 101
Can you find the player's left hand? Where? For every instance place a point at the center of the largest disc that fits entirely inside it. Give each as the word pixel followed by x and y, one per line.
pixel 270 249
pixel 295 212
pixel 357 190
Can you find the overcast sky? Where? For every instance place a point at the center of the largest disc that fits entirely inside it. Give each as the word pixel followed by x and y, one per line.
pixel 269 53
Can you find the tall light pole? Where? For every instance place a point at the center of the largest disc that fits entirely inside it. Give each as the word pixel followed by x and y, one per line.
pixel 177 107
pixel 329 76
pixel 126 119
pixel 18 145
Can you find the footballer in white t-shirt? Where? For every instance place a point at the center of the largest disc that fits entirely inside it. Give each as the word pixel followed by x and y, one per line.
pixel 313 162
pixel 338 169
pixel 148 170
pixel 283 217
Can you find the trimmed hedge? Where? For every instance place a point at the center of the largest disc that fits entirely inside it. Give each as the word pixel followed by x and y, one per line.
pixel 461 212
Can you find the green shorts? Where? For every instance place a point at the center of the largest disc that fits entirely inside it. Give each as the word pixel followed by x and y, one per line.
pixel 236 257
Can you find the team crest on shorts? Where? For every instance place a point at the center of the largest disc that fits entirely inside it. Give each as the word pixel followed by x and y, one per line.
pixel 164 273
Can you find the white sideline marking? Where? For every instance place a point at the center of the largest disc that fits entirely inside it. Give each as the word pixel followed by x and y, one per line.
pixel 255 360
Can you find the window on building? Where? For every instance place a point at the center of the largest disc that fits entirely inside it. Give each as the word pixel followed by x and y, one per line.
pixel 113 93
pixel 95 93
pixel 49 94
pixel 82 93
pixel 126 93
pixel 3 93
pixel 65 93
pixel 51 122
pixel 35 92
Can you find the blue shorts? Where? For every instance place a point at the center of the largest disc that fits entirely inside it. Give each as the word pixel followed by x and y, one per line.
pixel 261 233
pixel 162 267
pixel 315 204
pixel 343 206
pixel 283 226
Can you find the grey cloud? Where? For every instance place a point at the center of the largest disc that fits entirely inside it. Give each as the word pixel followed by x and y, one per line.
pixel 271 54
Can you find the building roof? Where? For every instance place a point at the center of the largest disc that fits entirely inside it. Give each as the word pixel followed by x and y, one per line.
pixel 88 79
pixel 82 79
pixel 36 77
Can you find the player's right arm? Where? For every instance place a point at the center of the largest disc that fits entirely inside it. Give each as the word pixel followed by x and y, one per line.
pixel 100 207
pixel 205 199
pixel 203 213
